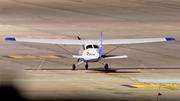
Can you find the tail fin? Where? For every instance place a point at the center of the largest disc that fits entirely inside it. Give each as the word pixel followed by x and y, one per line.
pixel 100 46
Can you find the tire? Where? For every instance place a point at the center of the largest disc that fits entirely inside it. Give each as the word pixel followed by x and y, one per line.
pixel 86 66
pixel 106 67
pixel 73 67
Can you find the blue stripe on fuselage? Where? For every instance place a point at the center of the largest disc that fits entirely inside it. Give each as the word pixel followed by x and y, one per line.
pixel 90 60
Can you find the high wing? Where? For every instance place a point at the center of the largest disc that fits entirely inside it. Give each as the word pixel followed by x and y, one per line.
pixel 87 57
pixel 134 41
pixel 114 56
pixel 49 41
pixel 82 42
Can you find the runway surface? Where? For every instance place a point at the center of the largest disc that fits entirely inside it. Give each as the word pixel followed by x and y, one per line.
pixel 67 19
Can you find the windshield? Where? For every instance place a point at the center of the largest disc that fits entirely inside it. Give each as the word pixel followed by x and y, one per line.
pixel 95 46
pixel 90 46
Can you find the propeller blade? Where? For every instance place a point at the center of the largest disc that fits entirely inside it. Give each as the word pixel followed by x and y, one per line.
pixel 78 38
pixel 78 60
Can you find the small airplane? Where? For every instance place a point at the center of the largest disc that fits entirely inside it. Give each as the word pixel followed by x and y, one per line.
pixel 91 50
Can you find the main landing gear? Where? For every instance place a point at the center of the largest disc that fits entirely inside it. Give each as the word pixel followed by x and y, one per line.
pixel 74 66
pixel 106 66
pixel 86 65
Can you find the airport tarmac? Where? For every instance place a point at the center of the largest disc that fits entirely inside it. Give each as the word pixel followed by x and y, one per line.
pixel 67 19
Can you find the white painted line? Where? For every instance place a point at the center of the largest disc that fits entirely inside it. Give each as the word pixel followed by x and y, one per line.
pixel 170 81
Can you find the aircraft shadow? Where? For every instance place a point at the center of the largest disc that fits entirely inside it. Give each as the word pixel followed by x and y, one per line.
pixel 124 70
pixel 111 70
pixel 102 70
pixel 56 69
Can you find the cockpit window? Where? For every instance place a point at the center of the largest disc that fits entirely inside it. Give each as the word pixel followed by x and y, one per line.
pixel 83 47
pixel 95 46
pixel 88 46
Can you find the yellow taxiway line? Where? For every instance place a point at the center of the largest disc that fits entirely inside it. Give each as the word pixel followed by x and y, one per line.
pixel 169 86
pixel 156 85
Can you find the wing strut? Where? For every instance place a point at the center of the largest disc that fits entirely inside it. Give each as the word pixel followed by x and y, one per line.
pixel 64 49
pixel 137 57
pixel 113 49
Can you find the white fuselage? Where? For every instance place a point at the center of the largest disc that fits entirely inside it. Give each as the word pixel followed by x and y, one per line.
pixel 89 50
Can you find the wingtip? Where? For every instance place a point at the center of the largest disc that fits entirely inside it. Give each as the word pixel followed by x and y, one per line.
pixel 170 39
pixel 10 39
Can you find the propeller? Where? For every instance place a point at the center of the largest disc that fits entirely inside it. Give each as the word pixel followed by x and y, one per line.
pixel 78 38
pixel 78 59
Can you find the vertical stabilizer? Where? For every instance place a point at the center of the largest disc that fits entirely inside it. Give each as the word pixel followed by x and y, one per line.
pixel 100 46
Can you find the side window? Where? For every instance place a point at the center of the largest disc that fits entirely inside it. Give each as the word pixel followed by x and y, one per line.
pixel 95 46
pixel 83 47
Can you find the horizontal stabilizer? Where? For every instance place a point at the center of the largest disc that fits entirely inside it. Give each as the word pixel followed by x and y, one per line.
pixel 114 56
pixel 87 57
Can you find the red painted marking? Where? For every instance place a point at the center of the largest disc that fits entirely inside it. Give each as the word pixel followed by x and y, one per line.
pixel 22 36
pixel 146 69
pixel 105 73
pixel 37 70
pixel 82 67
pixel 159 94
pixel 51 38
